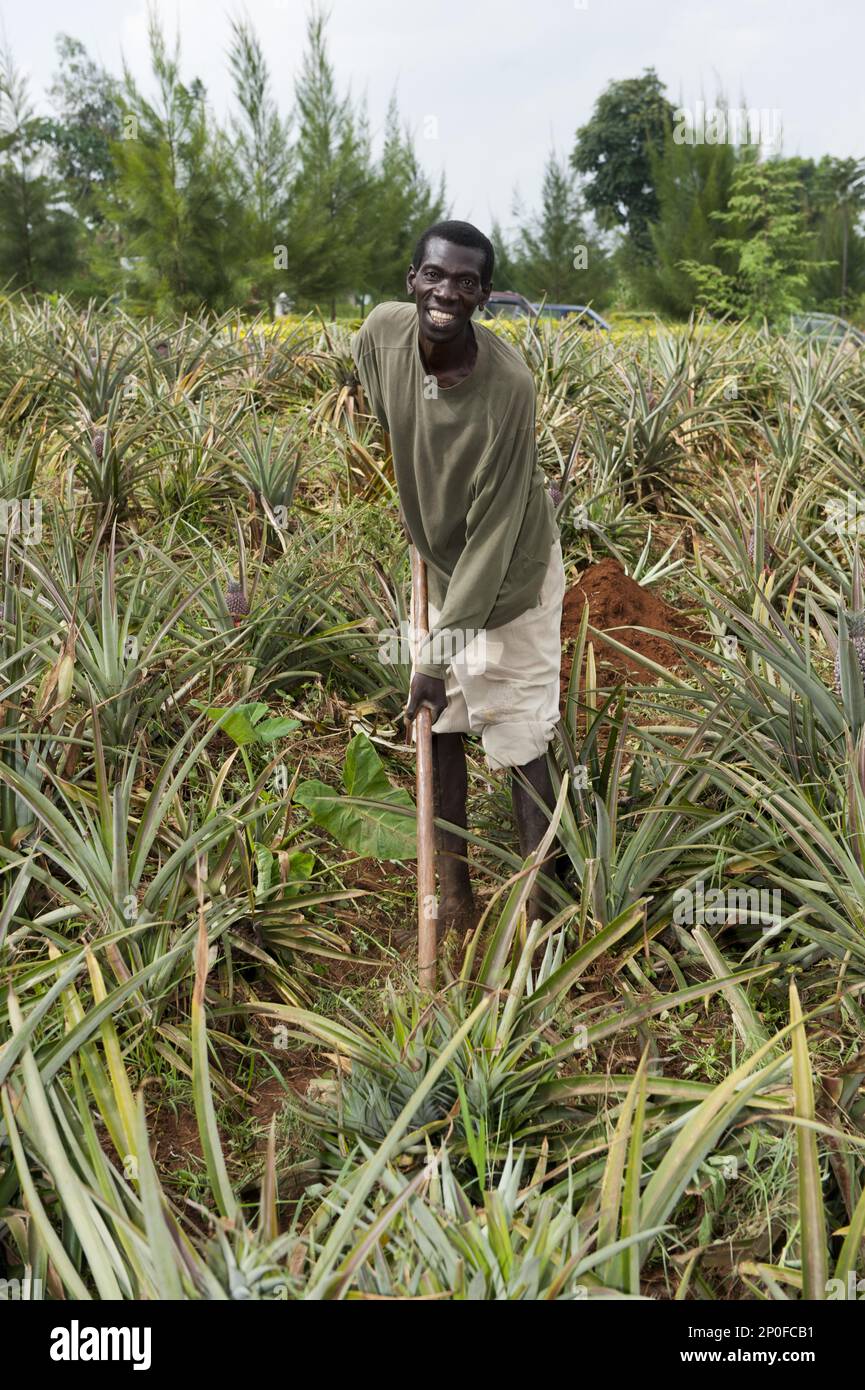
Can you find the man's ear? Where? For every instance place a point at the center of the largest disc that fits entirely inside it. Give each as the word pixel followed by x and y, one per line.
pixel 486 291
pixel 411 276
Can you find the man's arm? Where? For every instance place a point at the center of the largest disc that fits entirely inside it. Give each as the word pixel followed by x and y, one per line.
pixel 494 520
pixel 365 359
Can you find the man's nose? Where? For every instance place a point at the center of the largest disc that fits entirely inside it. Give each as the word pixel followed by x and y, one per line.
pixel 446 291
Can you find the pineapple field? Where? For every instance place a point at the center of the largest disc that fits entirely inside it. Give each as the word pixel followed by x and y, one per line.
pixel 219 1077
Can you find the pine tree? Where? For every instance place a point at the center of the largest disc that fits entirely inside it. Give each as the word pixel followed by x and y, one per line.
pixel 692 183
pixel 506 273
pixel 180 218
pixel 327 245
pixel 555 257
pixel 262 166
pixel 403 206
pixel 38 235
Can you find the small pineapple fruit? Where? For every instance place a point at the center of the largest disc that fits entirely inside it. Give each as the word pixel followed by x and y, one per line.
pixel 856 633
pixel 98 443
pixel 770 554
pixel 236 601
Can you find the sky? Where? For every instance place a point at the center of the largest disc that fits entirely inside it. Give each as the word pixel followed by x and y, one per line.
pixel 489 87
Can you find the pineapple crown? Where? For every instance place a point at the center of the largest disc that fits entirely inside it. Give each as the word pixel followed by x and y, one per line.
pixel 855 624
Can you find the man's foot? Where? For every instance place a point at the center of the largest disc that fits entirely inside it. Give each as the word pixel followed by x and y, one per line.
pixel 456 917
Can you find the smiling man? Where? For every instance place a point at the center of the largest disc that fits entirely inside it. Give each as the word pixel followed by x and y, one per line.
pixel 459 406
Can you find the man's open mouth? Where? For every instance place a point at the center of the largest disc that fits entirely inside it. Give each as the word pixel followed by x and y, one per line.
pixel 440 317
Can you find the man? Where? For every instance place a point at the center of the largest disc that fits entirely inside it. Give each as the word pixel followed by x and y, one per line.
pixel 459 406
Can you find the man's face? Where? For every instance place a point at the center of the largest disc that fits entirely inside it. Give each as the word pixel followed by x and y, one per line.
pixel 447 288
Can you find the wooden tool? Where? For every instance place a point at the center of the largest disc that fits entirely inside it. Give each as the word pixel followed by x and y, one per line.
pixel 426 870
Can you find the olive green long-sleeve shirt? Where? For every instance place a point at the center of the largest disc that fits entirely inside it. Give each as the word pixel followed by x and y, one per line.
pixel 471 490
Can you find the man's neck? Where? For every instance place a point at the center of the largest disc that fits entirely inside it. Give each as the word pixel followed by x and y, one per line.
pixel 454 359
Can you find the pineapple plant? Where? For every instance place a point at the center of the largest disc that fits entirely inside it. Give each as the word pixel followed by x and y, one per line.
pixel 854 620
pixel 759 544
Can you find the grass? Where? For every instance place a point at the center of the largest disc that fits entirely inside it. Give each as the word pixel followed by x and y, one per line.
pixel 217 1071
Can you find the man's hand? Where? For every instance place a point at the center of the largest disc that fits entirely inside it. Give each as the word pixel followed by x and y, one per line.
pixel 426 690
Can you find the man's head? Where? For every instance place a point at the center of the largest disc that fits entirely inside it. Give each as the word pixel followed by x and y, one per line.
pixel 450 276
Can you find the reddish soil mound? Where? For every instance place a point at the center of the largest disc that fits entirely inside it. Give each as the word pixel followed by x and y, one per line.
pixel 618 605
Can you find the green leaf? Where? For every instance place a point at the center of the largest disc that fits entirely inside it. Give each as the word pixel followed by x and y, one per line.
pixel 247 724
pixel 272 729
pixel 812 1215
pixel 238 721
pixel 363 821
pixel 298 870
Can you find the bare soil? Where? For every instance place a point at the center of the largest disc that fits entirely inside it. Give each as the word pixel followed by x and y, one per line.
pixel 620 607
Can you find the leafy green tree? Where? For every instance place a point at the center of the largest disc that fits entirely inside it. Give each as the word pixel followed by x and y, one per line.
pixel 262 165
pixel 86 99
pixel 768 241
pixel 38 234
pixel 403 205
pixel 555 257
pixel 612 152
pixel 327 246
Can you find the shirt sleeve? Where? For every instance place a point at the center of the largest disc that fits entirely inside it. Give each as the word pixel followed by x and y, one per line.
pixel 366 360
pixel 495 518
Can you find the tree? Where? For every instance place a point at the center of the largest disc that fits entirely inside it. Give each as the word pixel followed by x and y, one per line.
pixel 262 164
pixel 86 99
pixel 38 235
pixel 402 206
pixel 327 243
pixel 506 273
pixel 768 241
pixel 173 202
pixel 612 152
pixel 692 182
pixel 555 257
pixel 839 194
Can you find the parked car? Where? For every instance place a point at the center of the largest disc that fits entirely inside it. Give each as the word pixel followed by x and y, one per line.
pixel 591 319
pixel 506 304
pixel 826 328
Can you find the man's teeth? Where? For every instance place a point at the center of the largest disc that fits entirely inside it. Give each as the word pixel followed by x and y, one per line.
pixel 438 316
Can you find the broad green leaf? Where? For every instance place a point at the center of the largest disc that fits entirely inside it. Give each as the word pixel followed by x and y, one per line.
pixel 271 729
pixel 363 820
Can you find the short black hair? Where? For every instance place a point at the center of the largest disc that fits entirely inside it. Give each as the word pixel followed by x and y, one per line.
pixel 461 234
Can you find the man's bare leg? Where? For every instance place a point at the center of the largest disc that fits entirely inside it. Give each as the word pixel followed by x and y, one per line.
pixel 532 824
pixel 456 903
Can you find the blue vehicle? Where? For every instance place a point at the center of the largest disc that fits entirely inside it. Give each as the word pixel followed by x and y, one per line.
pixel 826 328
pixel 506 304
pixel 591 319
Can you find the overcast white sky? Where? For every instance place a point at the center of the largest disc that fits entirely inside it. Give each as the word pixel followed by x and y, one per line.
pixel 505 79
